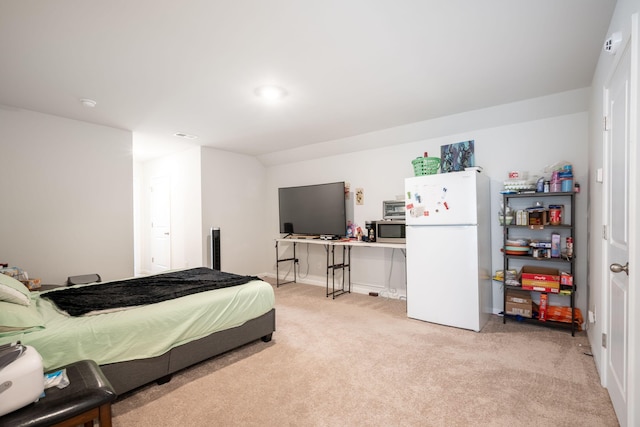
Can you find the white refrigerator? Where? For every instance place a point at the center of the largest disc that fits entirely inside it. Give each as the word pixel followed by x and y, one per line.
pixel 448 233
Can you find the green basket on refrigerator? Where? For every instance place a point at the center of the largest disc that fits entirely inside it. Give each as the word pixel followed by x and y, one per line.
pixel 425 165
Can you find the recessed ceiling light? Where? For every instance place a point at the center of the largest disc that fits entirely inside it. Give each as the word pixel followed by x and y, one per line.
pixel 184 135
pixel 89 103
pixel 271 93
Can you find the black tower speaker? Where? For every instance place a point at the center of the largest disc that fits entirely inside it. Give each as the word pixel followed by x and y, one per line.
pixel 215 248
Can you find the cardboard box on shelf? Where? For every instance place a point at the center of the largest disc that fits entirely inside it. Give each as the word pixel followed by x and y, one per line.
pixel 566 283
pixel 566 279
pixel 517 309
pixel 542 279
pixel 538 216
pixel 519 296
pixel 518 303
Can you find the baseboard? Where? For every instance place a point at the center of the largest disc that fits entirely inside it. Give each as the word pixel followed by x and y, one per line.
pixel 357 288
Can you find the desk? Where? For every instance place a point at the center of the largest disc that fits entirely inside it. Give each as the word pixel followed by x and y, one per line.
pixel 330 248
pixel 87 397
pixel 48 287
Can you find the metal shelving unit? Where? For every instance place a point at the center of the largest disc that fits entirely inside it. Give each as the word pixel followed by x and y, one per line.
pixel 565 263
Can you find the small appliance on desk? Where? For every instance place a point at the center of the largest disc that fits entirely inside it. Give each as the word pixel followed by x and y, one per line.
pixel 393 209
pixel 391 229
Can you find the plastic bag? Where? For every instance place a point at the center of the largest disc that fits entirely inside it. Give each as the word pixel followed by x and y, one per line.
pixel 56 379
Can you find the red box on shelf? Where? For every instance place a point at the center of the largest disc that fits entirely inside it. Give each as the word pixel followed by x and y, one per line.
pixel 566 279
pixel 541 279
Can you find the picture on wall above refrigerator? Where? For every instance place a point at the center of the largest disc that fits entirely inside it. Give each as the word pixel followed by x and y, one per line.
pixel 456 157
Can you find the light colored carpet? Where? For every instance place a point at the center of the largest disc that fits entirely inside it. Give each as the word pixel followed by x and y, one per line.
pixel 359 361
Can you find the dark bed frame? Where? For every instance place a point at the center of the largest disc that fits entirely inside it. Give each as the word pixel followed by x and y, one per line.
pixel 129 375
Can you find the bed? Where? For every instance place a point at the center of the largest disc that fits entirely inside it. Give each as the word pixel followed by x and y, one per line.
pixel 143 342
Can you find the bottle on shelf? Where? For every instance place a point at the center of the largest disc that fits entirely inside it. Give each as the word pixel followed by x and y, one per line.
pixel 569 250
pixel 555 186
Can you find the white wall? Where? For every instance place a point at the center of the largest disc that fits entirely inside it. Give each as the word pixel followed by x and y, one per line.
pixel 520 144
pixel 234 199
pixel 67 205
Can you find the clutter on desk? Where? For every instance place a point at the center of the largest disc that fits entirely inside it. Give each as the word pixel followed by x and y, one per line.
pixel 22 276
pixel 370 233
pixel 354 231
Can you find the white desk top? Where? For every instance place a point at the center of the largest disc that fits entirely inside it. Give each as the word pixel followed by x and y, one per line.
pixel 353 243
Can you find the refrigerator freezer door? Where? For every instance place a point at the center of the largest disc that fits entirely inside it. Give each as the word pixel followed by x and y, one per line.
pixel 442 199
pixel 443 276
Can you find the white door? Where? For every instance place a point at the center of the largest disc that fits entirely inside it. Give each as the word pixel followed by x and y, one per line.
pixel 618 131
pixel 160 224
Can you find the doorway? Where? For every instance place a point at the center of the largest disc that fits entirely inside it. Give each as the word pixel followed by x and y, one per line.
pixel 160 213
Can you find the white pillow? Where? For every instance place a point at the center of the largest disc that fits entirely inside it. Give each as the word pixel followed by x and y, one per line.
pixel 13 291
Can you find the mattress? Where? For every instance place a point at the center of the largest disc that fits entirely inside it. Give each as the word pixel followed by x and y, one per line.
pixel 144 331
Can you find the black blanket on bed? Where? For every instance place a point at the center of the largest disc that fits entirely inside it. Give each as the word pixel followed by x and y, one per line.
pixel 143 290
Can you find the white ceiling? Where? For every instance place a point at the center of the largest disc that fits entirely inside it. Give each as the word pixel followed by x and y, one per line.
pixel 157 67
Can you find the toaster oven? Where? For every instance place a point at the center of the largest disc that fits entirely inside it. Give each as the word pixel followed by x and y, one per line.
pixel 393 209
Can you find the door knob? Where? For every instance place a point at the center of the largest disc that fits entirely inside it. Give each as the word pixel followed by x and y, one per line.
pixel 617 268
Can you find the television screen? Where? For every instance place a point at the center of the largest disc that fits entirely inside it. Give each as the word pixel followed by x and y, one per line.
pixel 313 209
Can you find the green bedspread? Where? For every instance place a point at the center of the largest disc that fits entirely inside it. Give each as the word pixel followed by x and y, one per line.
pixel 145 331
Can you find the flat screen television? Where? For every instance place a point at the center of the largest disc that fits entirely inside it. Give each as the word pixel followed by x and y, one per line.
pixel 313 209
